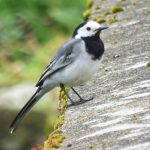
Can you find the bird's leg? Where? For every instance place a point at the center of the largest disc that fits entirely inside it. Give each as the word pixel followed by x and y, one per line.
pixel 72 102
pixel 63 88
pixel 82 100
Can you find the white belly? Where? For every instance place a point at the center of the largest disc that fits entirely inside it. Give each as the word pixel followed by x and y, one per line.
pixel 78 72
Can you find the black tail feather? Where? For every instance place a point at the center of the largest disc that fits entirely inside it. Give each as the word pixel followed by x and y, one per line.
pixel 33 100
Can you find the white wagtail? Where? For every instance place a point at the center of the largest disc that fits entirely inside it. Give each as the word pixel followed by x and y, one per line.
pixel 74 63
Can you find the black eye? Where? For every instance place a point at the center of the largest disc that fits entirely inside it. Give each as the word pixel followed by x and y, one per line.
pixel 88 28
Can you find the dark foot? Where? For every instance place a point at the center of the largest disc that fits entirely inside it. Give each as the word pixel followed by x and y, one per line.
pixel 91 98
pixel 74 103
pixel 81 101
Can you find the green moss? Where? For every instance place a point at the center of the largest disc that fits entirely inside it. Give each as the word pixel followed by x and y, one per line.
pixel 55 139
pixel 97 7
pixel 91 146
pixel 104 145
pixel 116 9
pixel 87 14
pixel 111 20
pixel 147 11
pixel 113 10
pixel 122 0
pixel 100 19
pixel 134 3
pixel 114 42
pixel 108 12
pixel 147 63
pixel 90 3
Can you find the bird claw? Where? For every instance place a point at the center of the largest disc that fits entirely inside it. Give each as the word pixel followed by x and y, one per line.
pixel 81 101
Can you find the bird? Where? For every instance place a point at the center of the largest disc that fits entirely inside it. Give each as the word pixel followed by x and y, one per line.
pixel 74 63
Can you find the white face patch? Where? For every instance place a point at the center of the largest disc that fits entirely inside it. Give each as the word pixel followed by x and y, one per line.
pixel 89 29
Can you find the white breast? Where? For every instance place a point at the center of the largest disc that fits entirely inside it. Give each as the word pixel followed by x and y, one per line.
pixel 78 72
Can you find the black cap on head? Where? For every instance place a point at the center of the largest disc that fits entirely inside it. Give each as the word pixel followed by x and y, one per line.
pixel 79 26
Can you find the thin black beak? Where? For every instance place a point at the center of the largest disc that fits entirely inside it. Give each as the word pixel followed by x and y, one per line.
pixel 101 28
pixel 98 31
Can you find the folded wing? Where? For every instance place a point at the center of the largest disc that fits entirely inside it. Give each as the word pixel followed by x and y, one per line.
pixel 64 57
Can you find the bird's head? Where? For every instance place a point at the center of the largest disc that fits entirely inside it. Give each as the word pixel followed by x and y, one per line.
pixel 88 29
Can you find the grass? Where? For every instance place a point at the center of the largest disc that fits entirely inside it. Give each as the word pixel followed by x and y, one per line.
pixel 31 68
pixel 31 32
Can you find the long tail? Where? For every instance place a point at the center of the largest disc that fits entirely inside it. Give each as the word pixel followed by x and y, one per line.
pixel 32 101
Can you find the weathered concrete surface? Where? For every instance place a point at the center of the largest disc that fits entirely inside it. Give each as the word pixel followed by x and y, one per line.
pixel 119 116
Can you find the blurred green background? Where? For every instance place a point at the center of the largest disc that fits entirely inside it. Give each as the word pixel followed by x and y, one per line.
pixel 31 31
